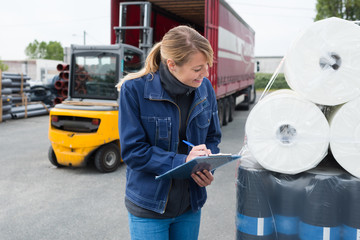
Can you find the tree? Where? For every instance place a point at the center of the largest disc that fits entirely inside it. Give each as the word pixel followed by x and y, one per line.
pixel 345 9
pixel 52 50
pixel 3 66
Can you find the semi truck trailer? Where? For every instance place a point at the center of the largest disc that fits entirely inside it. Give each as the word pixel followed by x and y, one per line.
pixel 231 38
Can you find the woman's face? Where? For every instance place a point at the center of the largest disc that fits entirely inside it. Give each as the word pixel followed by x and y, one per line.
pixel 192 72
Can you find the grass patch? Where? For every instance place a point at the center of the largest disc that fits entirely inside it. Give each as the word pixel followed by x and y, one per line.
pixel 262 79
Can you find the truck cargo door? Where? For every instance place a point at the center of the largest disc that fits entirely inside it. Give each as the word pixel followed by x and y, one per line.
pixel 211 33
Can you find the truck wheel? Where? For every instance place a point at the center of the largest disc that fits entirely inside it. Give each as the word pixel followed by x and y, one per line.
pixel 226 111
pixel 245 105
pixel 253 97
pixel 220 112
pixel 107 158
pixel 52 157
pixel 231 101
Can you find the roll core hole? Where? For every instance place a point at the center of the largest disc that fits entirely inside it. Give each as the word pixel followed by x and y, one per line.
pixel 286 134
pixel 333 60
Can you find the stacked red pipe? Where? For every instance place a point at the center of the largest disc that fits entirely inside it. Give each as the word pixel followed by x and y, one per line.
pixel 81 76
pixel 61 85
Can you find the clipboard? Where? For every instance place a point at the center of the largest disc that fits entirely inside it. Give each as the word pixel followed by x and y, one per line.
pixel 209 163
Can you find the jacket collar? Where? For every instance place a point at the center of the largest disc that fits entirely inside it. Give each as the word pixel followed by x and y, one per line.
pixel 171 84
pixel 154 90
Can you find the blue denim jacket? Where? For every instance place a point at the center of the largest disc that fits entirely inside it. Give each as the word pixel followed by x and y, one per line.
pixel 149 138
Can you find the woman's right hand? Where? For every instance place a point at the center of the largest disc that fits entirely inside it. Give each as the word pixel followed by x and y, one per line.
pixel 197 151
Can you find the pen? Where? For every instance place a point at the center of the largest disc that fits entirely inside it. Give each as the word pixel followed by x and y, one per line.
pixel 189 143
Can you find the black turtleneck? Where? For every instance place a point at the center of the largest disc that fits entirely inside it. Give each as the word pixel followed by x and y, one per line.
pixel 183 96
pixel 171 84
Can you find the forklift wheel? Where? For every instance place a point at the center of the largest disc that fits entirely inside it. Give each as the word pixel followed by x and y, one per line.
pixel 107 158
pixel 52 157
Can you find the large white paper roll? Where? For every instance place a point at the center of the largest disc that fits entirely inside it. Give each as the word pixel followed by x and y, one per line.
pixel 323 63
pixel 287 133
pixel 345 136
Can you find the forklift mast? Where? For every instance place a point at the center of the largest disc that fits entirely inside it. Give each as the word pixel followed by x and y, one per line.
pixel 146 35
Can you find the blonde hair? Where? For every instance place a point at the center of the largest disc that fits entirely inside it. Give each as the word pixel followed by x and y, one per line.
pixel 178 44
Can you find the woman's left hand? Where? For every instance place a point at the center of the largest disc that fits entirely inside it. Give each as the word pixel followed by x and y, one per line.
pixel 203 178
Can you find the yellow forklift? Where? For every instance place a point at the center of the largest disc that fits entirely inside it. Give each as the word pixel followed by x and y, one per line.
pixel 84 127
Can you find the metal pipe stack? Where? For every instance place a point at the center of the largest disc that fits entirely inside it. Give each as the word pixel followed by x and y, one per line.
pixel 15 91
pixel 29 111
pixel 6 107
pixel 15 85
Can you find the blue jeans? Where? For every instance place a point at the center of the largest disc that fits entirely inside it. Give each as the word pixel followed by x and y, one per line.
pixel 183 227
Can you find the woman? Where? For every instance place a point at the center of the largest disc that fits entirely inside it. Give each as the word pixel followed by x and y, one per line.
pixel 168 101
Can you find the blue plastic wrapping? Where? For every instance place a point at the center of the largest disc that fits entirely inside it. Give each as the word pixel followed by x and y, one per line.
pixel 321 203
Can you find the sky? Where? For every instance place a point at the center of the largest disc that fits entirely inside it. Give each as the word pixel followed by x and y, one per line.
pixel 276 23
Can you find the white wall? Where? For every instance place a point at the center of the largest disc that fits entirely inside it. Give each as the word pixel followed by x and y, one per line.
pixel 268 64
pixel 39 70
pixel 46 70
